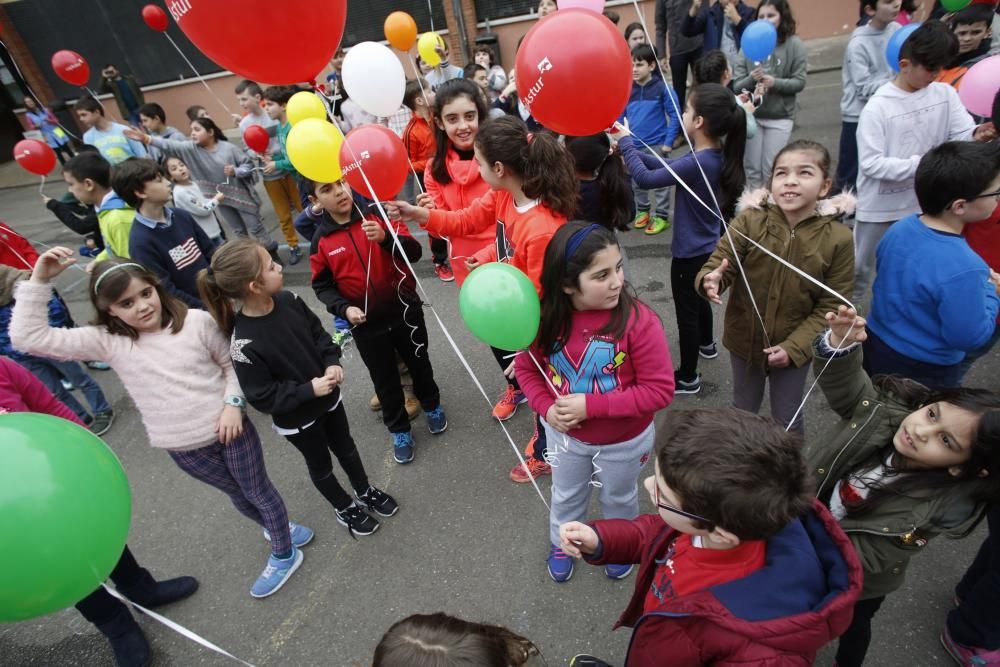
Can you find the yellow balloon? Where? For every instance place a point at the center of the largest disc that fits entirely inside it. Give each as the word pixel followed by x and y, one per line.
pixel 427 48
pixel 305 104
pixel 313 146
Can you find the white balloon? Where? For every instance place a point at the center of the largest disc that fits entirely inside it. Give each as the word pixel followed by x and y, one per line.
pixel 374 78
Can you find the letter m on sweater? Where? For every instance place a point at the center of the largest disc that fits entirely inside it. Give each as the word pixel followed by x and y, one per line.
pixel 595 373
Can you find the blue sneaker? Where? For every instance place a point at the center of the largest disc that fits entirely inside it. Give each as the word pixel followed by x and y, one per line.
pixel 437 421
pixel 275 574
pixel 402 445
pixel 618 571
pixel 560 565
pixel 301 535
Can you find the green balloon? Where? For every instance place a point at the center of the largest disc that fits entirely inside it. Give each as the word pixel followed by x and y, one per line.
pixel 65 508
pixel 955 5
pixel 500 306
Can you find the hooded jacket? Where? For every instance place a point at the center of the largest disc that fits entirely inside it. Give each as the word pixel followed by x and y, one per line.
pixel 115 219
pixel 343 257
pixel 466 186
pixel 793 309
pixel 780 615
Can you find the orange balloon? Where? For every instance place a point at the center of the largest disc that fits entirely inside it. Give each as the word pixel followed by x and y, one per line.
pixel 401 30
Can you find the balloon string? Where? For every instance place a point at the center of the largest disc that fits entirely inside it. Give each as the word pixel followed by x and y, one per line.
pixel 415 177
pixel 41 186
pixel 197 74
pixel 368 270
pixel 430 13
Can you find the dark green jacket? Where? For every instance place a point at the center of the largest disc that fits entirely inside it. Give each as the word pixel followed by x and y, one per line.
pixel 888 536
pixel 109 86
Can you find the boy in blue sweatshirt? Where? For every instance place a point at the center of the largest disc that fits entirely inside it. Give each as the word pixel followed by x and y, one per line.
pixel 934 299
pixel 167 241
pixel 654 118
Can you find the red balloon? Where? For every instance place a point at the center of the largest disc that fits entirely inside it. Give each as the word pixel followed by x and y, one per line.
pixel 241 40
pixel 256 139
pixel 381 154
pixel 562 52
pixel 35 156
pixel 155 17
pixel 71 67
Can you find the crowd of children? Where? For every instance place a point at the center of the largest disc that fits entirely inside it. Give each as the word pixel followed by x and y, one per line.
pixel 763 547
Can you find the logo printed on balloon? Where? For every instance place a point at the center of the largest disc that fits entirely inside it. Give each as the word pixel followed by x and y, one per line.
pixel 544 65
pixel 365 155
pixel 179 8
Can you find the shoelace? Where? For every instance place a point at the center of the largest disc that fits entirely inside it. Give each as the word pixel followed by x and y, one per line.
pixel 268 571
pixel 559 554
pixel 350 515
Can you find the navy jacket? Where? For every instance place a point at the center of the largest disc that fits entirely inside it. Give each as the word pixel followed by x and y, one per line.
pixel 174 252
pixel 710 21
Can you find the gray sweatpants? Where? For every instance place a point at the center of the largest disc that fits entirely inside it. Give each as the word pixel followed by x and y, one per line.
pixel 786 390
pixel 655 202
pixel 242 224
pixel 616 467
pixel 866 239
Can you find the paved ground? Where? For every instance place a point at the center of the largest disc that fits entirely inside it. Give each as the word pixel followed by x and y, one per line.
pixel 466 540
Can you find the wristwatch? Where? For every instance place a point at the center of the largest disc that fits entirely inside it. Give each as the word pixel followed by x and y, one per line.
pixel 236 402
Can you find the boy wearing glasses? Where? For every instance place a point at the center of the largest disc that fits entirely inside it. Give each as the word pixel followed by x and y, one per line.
pixel 739 565
pixel 934 299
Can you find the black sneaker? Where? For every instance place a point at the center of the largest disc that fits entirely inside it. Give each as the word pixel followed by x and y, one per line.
pixel 102 422
pixel 687 387
pixel 710 351
pixel 378 501
pixel 357 521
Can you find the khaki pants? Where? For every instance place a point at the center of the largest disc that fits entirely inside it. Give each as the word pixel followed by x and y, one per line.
pixel 284 195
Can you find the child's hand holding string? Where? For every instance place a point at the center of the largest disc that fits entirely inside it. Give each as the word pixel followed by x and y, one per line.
pixel 230 424
pixel 578 539
pixel 572 409
pixel 373 231
pixel 355 315
pixel 846 327
pixel 51 263
pixel 777 357
pixel 402 210
pixel 323 386
pixel 424 200
pixel 712 280
pixel 334 374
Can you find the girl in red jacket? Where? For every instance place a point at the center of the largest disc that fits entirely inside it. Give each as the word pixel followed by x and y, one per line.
pixel 607 371
pixel 534 192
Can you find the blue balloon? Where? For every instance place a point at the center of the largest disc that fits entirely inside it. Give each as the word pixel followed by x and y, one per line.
pixel 895 44
pixel 758 40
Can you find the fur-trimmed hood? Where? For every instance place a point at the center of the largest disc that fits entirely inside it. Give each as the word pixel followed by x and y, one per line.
pixel 837 206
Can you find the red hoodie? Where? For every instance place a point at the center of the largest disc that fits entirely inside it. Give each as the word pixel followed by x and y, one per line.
pixel 466 186
pixel 984 238
pixel 626 381
pixel 778 616
pixel 20 391
pixel 15 250
pixel 520 235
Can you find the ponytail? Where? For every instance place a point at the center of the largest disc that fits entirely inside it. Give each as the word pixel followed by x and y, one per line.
pixel 593 155
pixel 234 266
pixel 539 159
pixel 726 121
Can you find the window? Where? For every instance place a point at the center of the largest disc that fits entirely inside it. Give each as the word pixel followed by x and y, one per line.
pixel 501 9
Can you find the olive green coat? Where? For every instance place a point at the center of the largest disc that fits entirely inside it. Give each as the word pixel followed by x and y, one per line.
pixel 899 528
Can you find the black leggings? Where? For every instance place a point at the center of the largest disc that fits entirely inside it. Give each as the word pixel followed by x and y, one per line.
pixel 439 249
pixel 694 313
pixel 854 643
pixel 100 606
pixel 331 433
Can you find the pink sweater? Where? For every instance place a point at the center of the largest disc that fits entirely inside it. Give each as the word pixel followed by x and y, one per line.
pixel 626 381
pixel 178 381
pixel 20 391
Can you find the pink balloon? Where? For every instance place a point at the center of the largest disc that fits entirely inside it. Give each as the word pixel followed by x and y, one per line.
pixel 591 5
pixel 979 86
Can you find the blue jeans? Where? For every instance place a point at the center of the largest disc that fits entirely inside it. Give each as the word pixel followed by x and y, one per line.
pixel 51 372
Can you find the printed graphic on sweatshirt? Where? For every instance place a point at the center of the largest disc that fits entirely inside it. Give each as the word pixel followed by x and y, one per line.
pixel 236 350
pixel 505 249
pixel 595 373
pixel 185 254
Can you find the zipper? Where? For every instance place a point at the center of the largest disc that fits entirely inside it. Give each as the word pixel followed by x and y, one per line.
pixel 357 251
pixel 833 464
pixel 635 628
pixel 881 533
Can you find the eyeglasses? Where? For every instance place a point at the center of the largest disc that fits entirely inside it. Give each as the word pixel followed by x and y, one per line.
pixel 995 195
pixel 709 525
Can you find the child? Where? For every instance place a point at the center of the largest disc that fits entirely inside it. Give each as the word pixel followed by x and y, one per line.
pixel 605 357
pixel 865 70
pixel 167 241
pixel 21 392
pixel 793 223
pixel 290 369
pixel 496 78
pixel 972 29
pixel 736 567
pixel 110 138
pixel 605 188
pixel 888 148
pixel 634 35
pixel 275 102
pixel 905 464
pixel 439 639
pixel 219 166
pixel 714 68
pixel 546 7
pixel 280 184
pixel 53 372
pixel 41 118
pixel 151 339
pixel 533 192
pixel 443 71
pixel 88 177
pixel 419 141
pixel 652 115
pixel 722 23
pixel 917 327
pixel 188 197
pixel 783 77
pixel 715 123
pixel 357 275
pixel 154 121
pixel 195 112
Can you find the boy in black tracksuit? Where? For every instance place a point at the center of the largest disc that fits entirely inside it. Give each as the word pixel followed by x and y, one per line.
pixel 358 275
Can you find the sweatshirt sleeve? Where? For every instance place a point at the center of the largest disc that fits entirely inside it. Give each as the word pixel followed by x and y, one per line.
pixel 653 386
pixel 185 150
pixel 623 540
pixel 30 331
pixel 741 73
pixel 842 379
pixel 80 219
pixel 671 105
pixel 967 323
pixel 796 79
pixel 265 392
pixel 644 175
pixel 475 218
pixel 872 159
pixel 532 382
pixel 432 187
pixel 961 126
pixel 195 203
pixel 866 77
pixel 35 394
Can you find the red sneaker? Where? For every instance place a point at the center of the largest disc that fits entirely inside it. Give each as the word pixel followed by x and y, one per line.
pixel 444 272
pixel 537 469
pixel 507 405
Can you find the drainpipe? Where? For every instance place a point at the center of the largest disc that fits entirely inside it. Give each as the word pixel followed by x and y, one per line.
pixel 463 36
